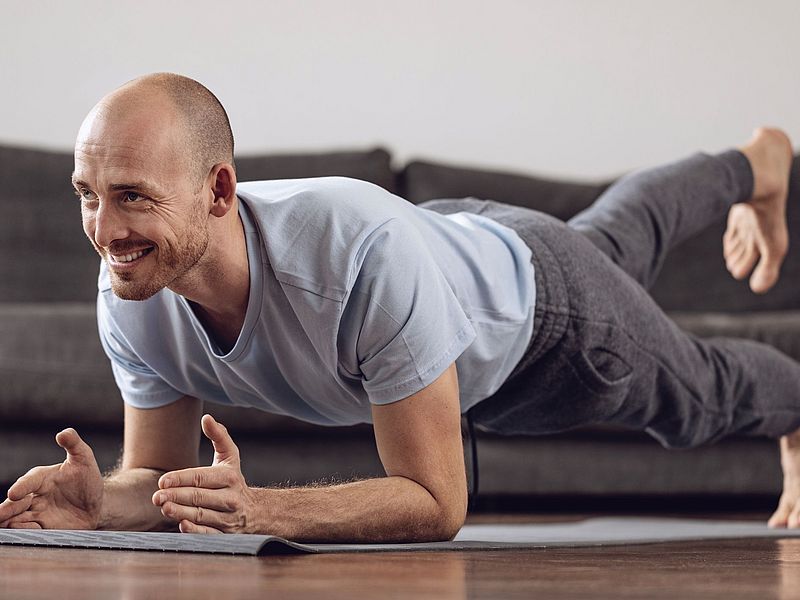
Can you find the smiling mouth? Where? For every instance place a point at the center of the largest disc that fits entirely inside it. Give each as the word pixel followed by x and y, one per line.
pixel 131 257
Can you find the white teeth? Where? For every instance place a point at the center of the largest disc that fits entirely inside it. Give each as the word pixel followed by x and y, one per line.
pixel 128 257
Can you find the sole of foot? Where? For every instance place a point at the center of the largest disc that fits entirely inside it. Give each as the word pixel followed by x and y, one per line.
pixel 756 239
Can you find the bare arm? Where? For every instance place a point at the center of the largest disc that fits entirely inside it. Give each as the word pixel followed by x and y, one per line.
pixel 156 441
pixel 423 497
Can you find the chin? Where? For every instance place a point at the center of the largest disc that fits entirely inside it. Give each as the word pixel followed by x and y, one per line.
pixel 129 290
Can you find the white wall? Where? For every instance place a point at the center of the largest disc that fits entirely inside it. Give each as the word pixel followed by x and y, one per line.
pixel 569 87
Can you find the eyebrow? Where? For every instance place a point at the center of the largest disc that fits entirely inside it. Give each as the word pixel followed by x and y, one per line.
pixel 140 185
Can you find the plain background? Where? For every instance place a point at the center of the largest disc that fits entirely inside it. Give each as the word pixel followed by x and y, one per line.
pixel 577 88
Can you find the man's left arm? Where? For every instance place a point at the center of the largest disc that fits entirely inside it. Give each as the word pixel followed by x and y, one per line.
pixel 423 497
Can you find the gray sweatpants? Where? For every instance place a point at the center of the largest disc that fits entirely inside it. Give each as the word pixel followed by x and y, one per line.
pixel 602 351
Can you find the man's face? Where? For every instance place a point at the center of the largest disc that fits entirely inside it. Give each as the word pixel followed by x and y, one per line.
pixel 140 204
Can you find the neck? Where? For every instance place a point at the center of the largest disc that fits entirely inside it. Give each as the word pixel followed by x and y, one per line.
pixel 218 286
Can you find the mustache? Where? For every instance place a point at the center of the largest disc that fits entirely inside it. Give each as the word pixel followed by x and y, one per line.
pixel 127 246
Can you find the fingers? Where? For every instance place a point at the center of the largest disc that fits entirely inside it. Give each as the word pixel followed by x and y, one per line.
pixel 11 508
pixel 225 451
pixel 213 478
pixel 31 482
pixel 25 525
pixel 189 527
pixel 216 500
pixel 199 516
pixel 77 449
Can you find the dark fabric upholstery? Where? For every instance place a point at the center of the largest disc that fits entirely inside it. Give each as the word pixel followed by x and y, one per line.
pixel 422 181
pixel 44 255
pixel 372 165
pixel 694 277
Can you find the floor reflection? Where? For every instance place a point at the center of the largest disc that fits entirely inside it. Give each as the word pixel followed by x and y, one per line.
pixel 789 569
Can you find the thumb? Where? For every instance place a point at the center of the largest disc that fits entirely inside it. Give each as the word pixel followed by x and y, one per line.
pixel 77 450
pixel 224 448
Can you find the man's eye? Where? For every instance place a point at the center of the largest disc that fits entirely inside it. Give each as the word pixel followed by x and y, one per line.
pixel 132 197
pixel 85 194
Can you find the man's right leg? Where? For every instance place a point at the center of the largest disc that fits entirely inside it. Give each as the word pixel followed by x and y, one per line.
pixel 756 233
pixel 619 358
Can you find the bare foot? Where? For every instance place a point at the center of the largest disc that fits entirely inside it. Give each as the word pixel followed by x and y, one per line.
pixel 756 229
pixel 788 511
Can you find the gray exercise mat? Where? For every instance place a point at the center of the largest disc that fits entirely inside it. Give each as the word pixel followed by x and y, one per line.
pixel 591 532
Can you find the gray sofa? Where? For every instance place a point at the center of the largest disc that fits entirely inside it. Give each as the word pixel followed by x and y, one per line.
pixel 54 374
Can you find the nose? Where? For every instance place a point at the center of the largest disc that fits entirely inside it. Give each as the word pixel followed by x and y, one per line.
pixel 109 224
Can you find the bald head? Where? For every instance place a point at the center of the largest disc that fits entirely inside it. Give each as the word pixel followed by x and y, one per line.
pixel 154 174
pixel 203 137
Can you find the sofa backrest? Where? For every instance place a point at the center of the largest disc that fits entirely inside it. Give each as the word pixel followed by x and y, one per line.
pixel 44 255
pixel 693 278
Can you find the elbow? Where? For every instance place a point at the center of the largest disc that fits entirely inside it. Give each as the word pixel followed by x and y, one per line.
pixel 452 516
pixel 448 523
pixel 451 530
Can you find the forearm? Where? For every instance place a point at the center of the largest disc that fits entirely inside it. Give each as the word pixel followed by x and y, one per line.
pixel 389 509
pixel 127 502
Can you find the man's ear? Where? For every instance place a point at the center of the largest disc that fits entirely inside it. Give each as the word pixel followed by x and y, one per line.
pixel 223 187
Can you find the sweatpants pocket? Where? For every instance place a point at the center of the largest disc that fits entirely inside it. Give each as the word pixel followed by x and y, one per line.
pixel 601 371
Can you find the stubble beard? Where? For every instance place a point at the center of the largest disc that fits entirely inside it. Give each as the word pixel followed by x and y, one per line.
pixel 172 263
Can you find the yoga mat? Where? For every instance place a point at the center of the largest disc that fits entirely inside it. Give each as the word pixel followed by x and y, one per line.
pixel 591 532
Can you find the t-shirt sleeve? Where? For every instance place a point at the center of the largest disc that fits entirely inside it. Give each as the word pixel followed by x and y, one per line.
pixel 402 323
pixel 139 385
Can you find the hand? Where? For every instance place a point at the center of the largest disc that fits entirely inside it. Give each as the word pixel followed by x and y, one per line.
pixel 64 496
pixel 213 499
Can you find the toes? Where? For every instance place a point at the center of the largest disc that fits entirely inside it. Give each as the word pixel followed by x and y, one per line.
pixel 780 517
pixel 768 269
pixel 731 245
pixel 793 521
pixel 745 261
pixel 777 521
pixel 735 255
pixel 764 277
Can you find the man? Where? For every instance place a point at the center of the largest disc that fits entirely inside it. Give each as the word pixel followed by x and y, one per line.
pixel 336 302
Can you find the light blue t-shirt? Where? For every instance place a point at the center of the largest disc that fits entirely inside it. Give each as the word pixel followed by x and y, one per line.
pixel 357 297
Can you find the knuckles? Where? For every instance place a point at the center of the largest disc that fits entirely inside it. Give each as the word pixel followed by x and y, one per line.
pixel 231 477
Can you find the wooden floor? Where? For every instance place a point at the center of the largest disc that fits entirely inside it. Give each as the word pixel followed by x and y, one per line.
pixel 724 569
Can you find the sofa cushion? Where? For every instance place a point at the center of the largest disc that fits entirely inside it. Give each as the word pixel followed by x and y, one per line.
pixel 693 278
pixel 44 255
pixel 780 330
